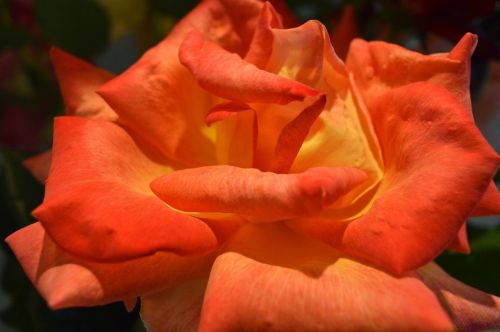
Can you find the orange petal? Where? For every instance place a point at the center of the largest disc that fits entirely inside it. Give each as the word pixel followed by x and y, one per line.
pixel 78 81
pixel 97 197
pixel 67 281
pixel 274 280
pixel 236 79
pixel 292 136
pixel 252 193
pixel 39 165
pixel 345 31
pixel 379 67
pixel 176 309
pixel 421 204
pixel 489 205
pixel 470 309
pixel 261 46
pixel 461 243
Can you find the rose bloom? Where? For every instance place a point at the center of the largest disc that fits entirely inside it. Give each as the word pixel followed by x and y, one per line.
pixel 241 177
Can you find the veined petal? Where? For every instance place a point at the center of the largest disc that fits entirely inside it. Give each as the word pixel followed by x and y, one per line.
pixel 97 197
pixel 68 281
pixel 273 280
pixel 78 81
pixel 470 309
pixel 421 205
pixel 255 194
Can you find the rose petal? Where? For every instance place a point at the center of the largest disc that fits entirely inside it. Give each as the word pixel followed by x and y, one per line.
pixel 489 205
pixel 379 67
pixel 345 31
pixel 274 280
pixel 261 47
pixel 78 81
pixel 470 309
pixel 252 193
pixel 176 309
pixel 98 198
pixel 421 203
pixel 67 281
pixel 236 79
pixel 461 242
pixel 39 165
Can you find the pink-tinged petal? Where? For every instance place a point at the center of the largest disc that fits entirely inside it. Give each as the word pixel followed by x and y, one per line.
pixel 78 81
pixel 293 135
pixel 176 309
pixel 470 309
pixel 489 205
pixel 274 280
pixel 39 165
pixel 261 46
pixel 461 243
pixel 421 204
pixel 379 67
pixel 97 197
pixel 253 193
pixel 345 31
pixel 236 79
pixel 67 281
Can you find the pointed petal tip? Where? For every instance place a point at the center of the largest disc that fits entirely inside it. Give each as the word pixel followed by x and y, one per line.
pixel 464 48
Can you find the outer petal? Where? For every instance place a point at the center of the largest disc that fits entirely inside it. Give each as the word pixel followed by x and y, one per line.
pixel 67 281
pixel 175 309
pixel 78 81
pixel 255 194
pixel 274 280
pixel 345 31
pixel 97 197
pixel 39 165
pixel 421 203
pixel 470 309
pixel 379 67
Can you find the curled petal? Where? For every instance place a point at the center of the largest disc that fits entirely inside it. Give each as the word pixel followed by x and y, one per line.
pixel 461 241
pixel 97 197
pixel 421 203
pixel 489 204
pixel 256 194
pixel 68 281
pixel 470 309
pixel 274 280
pixel 236 79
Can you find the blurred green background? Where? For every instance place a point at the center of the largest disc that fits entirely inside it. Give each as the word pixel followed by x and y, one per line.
pixel 114 33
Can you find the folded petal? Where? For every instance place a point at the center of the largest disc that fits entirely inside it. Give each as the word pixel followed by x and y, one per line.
pixel 68 281
pixel 489 205
pixel 461 242
pixel 236 79
pixel 97 197
pixel 176 309
pixel 253 193
pixel 39 165
pixel 274 280
pixel 432 151
pixel 470 309
pixel 78 81
pixel 158 99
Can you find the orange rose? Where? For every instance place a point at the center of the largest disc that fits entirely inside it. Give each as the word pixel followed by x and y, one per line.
pixel 241 177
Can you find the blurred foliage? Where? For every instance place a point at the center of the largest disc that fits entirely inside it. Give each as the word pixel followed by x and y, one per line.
pixel 113 33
